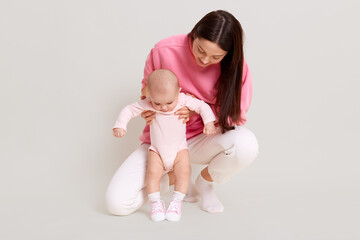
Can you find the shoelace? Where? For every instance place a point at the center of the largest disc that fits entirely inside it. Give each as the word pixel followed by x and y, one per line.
pixel 174 206
pixel 157 206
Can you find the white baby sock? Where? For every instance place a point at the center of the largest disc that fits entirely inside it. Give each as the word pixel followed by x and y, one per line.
pixel 210 202
pixel 178 196
pixel 155 196
pixel 192 194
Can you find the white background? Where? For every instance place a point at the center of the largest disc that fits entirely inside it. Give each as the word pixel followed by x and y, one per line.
pixel 68 67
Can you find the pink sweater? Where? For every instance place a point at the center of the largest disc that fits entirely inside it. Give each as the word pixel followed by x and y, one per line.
pixel 175 54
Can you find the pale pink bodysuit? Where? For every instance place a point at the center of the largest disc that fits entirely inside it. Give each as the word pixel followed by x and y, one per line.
pixel 167 132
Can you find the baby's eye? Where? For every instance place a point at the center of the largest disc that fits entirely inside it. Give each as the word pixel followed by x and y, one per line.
pixel 169 103
pixel 157 104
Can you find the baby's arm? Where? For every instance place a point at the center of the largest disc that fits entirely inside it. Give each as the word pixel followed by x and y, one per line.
pixel 209 128
pixel 129 112
pixel 205 112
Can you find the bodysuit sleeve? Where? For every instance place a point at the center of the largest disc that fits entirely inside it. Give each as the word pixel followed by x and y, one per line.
pixel 200 107
pixel 129 112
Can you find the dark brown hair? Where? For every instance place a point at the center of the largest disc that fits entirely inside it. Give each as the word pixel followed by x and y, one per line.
pixel 224 29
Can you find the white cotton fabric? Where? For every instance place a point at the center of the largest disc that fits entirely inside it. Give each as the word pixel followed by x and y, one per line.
pixel 225 154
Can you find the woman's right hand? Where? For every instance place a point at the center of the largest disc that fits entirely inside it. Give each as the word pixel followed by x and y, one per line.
pixel 148 116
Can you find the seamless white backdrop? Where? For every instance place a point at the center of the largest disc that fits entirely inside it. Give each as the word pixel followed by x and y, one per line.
pixel 68 67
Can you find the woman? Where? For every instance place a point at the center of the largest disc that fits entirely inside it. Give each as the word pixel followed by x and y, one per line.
pixel 209 64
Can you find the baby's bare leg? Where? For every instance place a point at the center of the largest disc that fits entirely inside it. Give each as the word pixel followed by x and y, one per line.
pixel 154 172
pixel 182 171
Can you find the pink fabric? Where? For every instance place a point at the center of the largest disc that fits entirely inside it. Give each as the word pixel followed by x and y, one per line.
pixel 168 132
pixel 175 54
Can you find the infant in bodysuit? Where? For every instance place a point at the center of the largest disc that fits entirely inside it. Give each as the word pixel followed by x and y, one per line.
pixel 168 150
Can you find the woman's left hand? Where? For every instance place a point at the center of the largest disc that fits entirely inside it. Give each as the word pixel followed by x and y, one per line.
pixel 184 113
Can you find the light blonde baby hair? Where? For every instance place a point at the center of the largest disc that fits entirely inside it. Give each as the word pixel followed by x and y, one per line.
pixel 162 80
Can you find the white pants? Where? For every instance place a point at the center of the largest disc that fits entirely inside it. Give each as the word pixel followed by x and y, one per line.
pixel 225 154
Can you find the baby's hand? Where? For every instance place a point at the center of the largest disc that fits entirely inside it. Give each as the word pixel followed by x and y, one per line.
pixel 209 129
pixel 119 132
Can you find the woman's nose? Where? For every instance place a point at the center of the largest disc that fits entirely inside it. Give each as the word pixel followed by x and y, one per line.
pixel 205 60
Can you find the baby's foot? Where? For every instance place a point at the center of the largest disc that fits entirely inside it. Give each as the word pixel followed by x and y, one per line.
pixel 210 202
pixel 173 213
pixel 157 210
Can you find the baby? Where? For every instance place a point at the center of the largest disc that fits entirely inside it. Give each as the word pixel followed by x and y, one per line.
pixel 168 150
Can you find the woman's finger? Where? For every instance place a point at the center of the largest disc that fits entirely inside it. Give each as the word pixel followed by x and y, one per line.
pixel 190 95
pixel 146 114
pixel 182 111
pixel 186 120
pixel 150 117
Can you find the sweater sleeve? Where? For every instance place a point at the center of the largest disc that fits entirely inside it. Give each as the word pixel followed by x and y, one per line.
pixel 200 107
pixel 153 62
pixel 246 94
pixel 149 67
pixel 129 112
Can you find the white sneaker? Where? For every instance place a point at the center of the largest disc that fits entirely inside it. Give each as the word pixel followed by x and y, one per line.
pixel 173 213
pixel 157 210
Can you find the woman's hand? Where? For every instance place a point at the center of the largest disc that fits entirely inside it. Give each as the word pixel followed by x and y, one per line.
pixel 184 113
pixel 148 116
pixel 144 93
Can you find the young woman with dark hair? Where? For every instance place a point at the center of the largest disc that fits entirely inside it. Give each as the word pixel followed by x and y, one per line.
pixel 209 63
pixel 223 29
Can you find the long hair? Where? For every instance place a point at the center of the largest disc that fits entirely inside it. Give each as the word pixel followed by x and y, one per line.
pixel 224 29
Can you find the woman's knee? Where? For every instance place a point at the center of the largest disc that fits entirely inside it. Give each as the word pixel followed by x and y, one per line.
pixel 120 207
pixel 121 200
pixel 122 196
pixel 245 148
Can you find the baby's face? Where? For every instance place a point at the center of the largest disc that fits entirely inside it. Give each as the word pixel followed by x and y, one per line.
pixel 164 102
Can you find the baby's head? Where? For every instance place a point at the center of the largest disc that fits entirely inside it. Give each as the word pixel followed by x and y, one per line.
pixel 163 89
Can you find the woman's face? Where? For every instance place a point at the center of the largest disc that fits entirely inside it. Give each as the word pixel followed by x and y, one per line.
pixel 207 53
